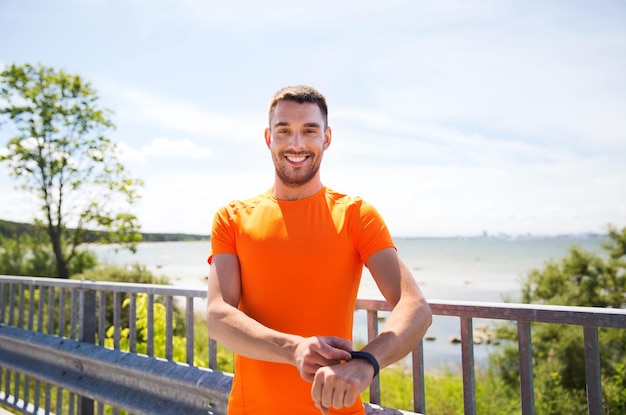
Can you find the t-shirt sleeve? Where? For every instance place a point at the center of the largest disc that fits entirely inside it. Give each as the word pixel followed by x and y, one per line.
pixel 372 232
pixel 222 234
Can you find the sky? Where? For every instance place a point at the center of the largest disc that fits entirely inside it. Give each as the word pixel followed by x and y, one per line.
pixel 453 118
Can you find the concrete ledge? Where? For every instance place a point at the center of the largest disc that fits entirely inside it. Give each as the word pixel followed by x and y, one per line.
pixel 371 409
pixel 138 384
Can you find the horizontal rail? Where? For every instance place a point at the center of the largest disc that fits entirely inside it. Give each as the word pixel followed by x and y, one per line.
pixel 582 316
pixel 533 313
pixel 122 287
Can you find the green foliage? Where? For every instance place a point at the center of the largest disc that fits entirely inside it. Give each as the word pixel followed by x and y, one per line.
pixel 444 392
pixel 171 237
pixel 396 388
pixel 552 396
pixel 31 256
pixel 61 156
pixel 225 360
pixel 137 274
pixel 179 343
pixel 581 279
pixel 614 390
pixel 12 230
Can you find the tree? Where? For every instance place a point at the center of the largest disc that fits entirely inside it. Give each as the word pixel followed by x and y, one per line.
pixel 581 279
pixel 59 153
pixel 27 255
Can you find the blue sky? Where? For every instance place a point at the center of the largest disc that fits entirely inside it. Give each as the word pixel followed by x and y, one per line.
pixel 451 117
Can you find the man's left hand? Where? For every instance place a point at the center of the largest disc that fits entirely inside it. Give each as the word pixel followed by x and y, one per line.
pixel 339 385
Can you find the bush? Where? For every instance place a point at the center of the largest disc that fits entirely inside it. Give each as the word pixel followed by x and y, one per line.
pixel 137 274
pixel 27 255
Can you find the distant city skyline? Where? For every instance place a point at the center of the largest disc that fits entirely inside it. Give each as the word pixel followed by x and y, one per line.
pixel 453 118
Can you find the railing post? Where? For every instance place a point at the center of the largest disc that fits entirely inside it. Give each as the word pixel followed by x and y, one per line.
pixel 2 285
pixel 592 371
pixel 150 323
pixel 372 333
pixel 86 333
pixel 419 394
pixel 169 327
pixel 527 390
pixel 467 351
pixel 87 316
pixel 189 331
pixel 11 304
pixel 132 322
pixel 212 354
pixel 20 307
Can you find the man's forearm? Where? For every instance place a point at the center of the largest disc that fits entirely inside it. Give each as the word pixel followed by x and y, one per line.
pixel 247 337
pixel 406 326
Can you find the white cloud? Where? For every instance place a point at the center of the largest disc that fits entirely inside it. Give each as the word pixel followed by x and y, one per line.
pixel 140 106
pixel 129 154
pixel 163 147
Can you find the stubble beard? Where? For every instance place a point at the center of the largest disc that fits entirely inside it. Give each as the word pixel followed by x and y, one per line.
pixel 295 177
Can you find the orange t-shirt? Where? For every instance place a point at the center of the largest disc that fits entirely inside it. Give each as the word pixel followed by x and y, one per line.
pixel 301 264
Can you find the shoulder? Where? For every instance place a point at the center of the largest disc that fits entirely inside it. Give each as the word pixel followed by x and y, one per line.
pixel 339 198
pixel 348 202
pixel 243 206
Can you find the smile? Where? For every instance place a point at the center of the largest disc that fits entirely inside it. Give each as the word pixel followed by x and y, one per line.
pixel 296 159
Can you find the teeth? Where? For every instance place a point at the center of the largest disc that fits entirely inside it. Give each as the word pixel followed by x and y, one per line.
pixel 296 159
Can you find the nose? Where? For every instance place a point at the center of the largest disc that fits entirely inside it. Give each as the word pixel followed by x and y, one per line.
pixel 297 141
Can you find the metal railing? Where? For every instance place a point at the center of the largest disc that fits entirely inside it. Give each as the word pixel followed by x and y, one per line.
pixel 60 317
pixel 588 318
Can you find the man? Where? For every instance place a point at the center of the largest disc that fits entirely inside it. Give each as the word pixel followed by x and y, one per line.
pixel 284 276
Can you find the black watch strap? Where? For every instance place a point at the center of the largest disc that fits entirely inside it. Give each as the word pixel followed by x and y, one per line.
pixel 369 357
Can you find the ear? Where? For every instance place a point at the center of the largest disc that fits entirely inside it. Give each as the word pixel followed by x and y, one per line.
pixel 328 134
pixel 268 137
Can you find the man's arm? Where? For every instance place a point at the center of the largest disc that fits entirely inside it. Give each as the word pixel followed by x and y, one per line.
pixel 339 385
pixel 411 315
pixel 247 337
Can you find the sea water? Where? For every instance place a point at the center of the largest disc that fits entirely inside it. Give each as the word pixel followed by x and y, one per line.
pixel 463 269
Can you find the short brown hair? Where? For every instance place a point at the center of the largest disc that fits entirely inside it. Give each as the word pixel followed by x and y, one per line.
pixel 300 94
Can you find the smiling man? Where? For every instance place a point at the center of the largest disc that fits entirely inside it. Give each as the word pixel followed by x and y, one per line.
pixel 284 276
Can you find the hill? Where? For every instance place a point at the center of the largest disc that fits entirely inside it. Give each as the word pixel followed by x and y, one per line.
pixel 10 229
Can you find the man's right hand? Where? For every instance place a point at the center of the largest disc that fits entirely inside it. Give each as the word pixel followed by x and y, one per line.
pixel 320 351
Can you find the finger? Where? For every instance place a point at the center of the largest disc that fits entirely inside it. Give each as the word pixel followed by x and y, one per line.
pixel 339 343
pixel 335 349
pixel 350 396
pixel 314 362
pixel 338 397
pixel 322 409
pixel 316 391
pixel 327 397
pixel 328 389
pixel 322 390
pixel 308 372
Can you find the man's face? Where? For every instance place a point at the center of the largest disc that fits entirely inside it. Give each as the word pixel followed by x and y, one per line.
pixel 297 138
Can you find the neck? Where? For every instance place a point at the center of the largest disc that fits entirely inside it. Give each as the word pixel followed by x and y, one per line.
pixel 284 192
